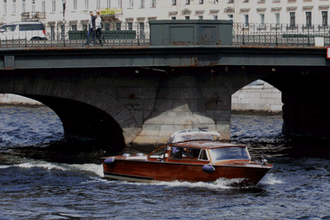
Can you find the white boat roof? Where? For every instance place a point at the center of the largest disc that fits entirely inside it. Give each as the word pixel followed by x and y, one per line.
pixel 192 134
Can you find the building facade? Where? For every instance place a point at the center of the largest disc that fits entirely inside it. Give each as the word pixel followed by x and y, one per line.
pixel 306 12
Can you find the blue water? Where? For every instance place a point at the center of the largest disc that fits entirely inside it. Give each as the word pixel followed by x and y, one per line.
pixel 41 177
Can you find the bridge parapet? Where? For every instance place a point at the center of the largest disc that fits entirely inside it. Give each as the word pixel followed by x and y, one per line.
pixel 220 32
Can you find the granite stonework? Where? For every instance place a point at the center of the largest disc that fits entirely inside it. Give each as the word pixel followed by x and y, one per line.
pixel 182 103
pixel 146 110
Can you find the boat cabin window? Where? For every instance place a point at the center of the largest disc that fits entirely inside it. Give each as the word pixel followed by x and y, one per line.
pixel 186 153
pixel 229 153
pixel 203 155
pixel 159 153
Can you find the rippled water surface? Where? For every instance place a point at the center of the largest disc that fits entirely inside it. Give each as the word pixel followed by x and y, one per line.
pixel 45 176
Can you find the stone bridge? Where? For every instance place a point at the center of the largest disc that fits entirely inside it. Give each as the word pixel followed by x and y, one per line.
pixel 142 94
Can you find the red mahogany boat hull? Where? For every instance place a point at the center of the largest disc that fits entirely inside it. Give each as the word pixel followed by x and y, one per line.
pixel 152 171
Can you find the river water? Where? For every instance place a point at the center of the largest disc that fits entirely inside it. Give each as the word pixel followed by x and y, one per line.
pixel 44 176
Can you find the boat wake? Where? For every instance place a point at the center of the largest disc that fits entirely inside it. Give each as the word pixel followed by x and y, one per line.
pixel 88 168
pixel 270 179
pixel 221 183
pixel 96 170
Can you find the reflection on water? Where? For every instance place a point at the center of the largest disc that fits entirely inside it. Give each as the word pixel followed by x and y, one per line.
pixel 45 176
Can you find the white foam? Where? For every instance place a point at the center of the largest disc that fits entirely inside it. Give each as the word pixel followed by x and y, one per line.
pixel 270 179
pixel 219 184
pixel 40 164
pixel 91 168
pixel 4 166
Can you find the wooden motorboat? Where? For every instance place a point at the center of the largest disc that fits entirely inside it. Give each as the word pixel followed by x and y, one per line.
pixel 190 155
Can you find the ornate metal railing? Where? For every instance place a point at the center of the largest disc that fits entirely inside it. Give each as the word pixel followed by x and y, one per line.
pixel 73 34
pixel 280 34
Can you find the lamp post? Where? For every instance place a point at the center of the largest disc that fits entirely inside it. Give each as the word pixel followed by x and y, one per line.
pixel 63 29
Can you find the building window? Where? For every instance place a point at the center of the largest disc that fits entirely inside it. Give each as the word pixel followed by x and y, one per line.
pixel 75 5
pixel 173 2
pixel 187 17
pixel 215 1
pixel 201 1
pixel 43 6
pixel 292 18
pixel 173 18
pixel 14 6
pixel 153 3
pixel 308 18
pixel 142 4
pixel 230 1
pixel 187 2
pixel 246 20
pixel 130 3
pixel 200 17
pixel 277 18
pixel 230 16
pixel 108 3
pixel 325 18
pixel 245 0
pixel 118 26
pixel 142 34
pixel 33 6
pixel 130 26
pixel 4 7
pixel 23 6
pixel 262 19
pixel 98 4
pixel 215 17
pixel 120 3
pixel 53 5
pixel 86 6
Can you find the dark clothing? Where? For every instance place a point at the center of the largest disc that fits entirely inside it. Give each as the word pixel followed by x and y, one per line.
pixel 99 35
pixel 92 22
pixel 91 29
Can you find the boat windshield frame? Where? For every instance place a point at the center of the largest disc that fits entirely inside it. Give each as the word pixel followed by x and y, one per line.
pixel 158 153
pixel 229 153
pixel 188 153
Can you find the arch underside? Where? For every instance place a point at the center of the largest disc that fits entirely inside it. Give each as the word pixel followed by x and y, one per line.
pixel 85 121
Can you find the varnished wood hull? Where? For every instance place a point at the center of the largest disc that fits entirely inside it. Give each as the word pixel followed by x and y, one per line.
pixel 152 171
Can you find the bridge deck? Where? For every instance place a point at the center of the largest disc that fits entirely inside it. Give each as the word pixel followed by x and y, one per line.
pixel 160 56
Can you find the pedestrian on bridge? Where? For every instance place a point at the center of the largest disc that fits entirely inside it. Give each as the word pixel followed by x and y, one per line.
pixel 92 27
pixel 99 26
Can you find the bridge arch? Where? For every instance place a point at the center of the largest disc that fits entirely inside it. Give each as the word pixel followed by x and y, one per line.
pixel 84 120
pixel 86 107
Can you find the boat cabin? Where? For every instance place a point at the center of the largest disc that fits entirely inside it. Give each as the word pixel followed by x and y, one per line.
pixel 196 146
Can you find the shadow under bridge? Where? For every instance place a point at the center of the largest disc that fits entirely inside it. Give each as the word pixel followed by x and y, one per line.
pixel 85 121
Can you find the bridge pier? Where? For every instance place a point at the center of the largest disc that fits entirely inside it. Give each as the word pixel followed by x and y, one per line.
pixel 306 116
pixel 306 112
pixel 192 98
pixel 183 102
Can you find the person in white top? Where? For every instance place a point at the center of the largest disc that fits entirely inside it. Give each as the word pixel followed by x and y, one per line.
pixel 98 24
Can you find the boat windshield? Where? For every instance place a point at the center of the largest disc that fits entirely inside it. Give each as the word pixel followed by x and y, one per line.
pixel 229 153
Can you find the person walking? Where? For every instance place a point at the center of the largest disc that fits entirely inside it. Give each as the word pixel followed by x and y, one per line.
pixel 99 26
pixel 92 28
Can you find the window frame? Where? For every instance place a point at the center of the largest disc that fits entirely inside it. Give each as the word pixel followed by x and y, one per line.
pixel 325 18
